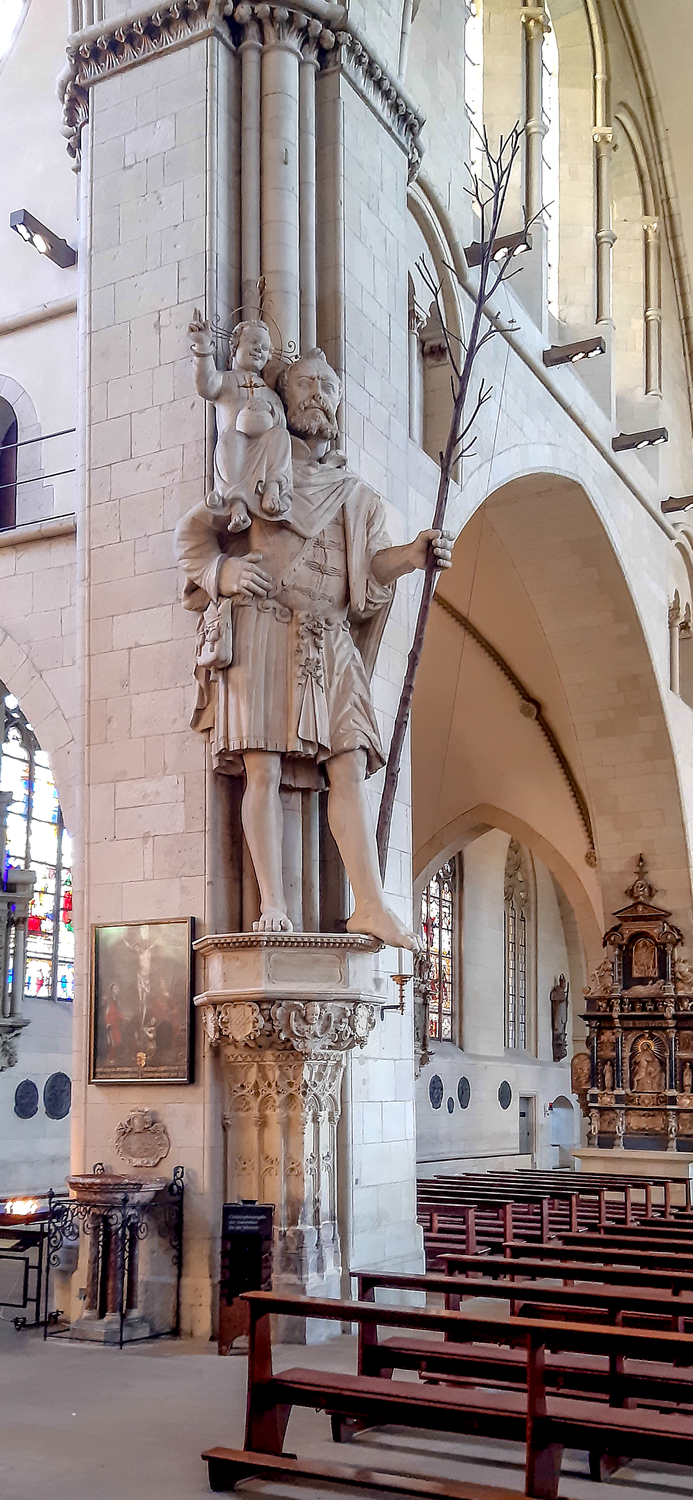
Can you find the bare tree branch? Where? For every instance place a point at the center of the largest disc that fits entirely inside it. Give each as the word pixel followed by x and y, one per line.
pixel 490 199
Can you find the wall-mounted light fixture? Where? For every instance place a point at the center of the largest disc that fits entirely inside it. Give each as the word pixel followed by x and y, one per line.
pixel 502 248
pixel 648 439
pixel 672 504
pixel 570 354
pixel 44 240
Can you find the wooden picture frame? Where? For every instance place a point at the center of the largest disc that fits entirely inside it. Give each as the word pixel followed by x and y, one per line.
pixel 140 1011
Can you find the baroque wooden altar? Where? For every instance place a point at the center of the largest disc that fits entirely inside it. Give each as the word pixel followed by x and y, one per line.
pixel 635 1082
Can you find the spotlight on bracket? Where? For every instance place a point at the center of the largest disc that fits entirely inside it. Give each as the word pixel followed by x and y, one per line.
pixel 503 248
pixel 44 240
pixel 648 439
pixel 672 504
pixel 569 354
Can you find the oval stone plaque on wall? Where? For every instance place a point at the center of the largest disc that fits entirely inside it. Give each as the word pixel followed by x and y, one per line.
pixel 436 1091
pixel 464 1093
pixel 57 1096
pixel 451 1104
pixel 26 1099
pixel 505 1095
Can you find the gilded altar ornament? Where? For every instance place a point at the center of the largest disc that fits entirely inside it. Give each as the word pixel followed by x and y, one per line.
pixel 635 1084
pixel 141 1140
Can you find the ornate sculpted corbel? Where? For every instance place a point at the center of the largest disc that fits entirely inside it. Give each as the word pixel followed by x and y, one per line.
pixel 312 1026
pixel 235 1021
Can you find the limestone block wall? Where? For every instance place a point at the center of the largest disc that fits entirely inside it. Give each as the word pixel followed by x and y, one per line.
pixel 36 1152
pixel 149 257
pixel 378 1144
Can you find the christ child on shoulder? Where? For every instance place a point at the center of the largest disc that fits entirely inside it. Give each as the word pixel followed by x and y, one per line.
pixel 252 458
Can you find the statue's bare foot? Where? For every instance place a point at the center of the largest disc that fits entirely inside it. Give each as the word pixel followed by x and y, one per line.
pixel 273 920
pixel 381 922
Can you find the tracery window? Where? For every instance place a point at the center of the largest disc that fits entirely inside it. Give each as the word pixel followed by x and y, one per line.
pixel 516 921
pixel 551 162
pixel 8 464
pixel 37 840
pixel 474 83
pixel 438 937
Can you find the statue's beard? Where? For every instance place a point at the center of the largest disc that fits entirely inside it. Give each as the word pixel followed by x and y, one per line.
pixel 313 417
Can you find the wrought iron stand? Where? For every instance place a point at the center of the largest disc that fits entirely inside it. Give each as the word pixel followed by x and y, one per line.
pixel 115 1226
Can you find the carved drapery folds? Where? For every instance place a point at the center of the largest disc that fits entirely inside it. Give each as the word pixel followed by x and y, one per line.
pixel 282 1010
pixel 326 39
pixel 634 1081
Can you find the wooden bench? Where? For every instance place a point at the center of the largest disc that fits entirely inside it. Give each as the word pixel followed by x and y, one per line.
pixel 611 1302
pixel 545 1260
pixel 576 1374
pixel 594 1249
pixel 546 1422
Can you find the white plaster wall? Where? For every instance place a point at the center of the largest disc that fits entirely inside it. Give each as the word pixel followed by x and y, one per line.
pixel 484 1136
pixel 36 1153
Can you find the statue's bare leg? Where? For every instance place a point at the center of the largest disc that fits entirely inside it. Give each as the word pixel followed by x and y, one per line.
pixel 350 820
pixel 263 826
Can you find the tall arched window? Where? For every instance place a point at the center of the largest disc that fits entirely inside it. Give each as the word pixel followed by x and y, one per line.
pixel 518 948
pixel 551 163
pixel 438 937
pixel 8 465
pixel 474 83
pixel 37 840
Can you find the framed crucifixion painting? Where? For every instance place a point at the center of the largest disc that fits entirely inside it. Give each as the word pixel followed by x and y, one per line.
pixel 141 997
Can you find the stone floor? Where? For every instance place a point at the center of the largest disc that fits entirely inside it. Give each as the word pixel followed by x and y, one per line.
pixel 79 1422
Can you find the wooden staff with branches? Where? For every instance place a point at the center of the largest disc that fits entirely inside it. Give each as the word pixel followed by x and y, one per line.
pixel 494 268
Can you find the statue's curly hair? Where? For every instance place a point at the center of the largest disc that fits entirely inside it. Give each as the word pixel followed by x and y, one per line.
pixel 283 376
pixel 237 333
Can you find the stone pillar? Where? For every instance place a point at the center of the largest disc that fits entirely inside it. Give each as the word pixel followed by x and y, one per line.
pixel 282 1011
pixel 653 307
pixel 279 158
pixel 605 237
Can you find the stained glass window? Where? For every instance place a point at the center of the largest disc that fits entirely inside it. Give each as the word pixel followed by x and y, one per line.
pixel 517 895
pixel 438 934
pixel 37 840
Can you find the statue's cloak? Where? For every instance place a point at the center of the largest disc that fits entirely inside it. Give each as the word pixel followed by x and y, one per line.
pixel 320 491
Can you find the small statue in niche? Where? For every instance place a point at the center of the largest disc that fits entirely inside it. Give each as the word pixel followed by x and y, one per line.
pixel 644 959
pixel 559 1017
pixel 647 1073
pixel 608 1076
pixel 252 457
pixel 687 1078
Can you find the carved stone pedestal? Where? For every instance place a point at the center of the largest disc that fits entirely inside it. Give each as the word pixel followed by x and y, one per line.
pixel 282 1010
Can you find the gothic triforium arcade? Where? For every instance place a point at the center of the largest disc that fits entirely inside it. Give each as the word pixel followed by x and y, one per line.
pixel 635 1084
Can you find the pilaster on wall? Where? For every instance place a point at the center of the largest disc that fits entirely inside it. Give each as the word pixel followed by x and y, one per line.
pixel 158 239
pixel 162 112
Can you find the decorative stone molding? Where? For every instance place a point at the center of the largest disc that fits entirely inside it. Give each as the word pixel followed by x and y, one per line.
pixel 10 1032
pixel 241 1021
pixel 141 1140
pixel 109 47
pixel 282 1011
pixel 314 1028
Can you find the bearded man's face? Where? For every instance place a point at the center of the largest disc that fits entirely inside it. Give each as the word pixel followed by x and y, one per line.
pixel 312 398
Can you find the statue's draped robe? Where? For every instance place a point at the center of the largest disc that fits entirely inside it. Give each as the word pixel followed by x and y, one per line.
pixel 301 659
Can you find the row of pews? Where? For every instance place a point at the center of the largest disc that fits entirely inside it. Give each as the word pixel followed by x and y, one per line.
pixel 590 1346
